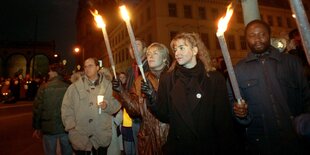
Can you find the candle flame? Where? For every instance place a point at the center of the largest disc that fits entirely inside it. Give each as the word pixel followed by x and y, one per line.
pixel 223 22
pixel 98 19
pixel 124 13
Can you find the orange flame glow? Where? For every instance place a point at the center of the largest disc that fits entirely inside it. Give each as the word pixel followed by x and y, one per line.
pixel 98 19
pixel 124 13
pixel 223 22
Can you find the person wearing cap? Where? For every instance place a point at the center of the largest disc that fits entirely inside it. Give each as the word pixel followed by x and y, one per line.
pixel 46 113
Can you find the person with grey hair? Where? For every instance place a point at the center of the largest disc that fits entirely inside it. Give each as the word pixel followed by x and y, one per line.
pixel 153 133
pixel 47 115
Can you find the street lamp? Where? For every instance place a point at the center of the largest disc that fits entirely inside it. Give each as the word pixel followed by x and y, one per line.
pixel 77 50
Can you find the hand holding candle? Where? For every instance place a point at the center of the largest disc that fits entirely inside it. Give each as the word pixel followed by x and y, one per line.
pixel 222 26
pixel 101 24
pixel 126 18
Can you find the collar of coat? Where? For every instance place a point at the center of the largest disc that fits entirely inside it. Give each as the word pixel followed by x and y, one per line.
pixel 274 54
pixel 83 84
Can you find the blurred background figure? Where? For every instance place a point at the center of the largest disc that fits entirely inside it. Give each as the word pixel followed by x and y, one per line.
pixel 33 86
pixel 75 76
pixel 6 94
pixel 132 74
pixel 296 48
pixel 46 113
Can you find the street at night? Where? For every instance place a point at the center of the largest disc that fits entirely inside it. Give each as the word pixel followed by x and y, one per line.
pixel 16 130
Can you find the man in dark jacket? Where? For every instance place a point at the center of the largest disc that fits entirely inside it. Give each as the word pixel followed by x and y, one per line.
pixel 275 91
pixel 46 113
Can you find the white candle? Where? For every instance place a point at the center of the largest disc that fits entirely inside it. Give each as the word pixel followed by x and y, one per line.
pixel 126 18
pixel 102 25
pixel 222 26
pixel 99 100
pixel 107 43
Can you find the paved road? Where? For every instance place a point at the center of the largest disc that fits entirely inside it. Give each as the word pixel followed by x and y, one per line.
pixel 16 130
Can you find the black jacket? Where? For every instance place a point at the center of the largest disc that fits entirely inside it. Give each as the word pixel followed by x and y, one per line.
pixel 276 91
pixel 47 105
pixel 201 121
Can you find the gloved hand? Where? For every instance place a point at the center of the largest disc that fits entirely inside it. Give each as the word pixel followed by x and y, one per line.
pixel 146 87
pixel 117 86
pixel 148 90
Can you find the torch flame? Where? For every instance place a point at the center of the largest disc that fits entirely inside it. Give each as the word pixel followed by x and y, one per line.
pixel 98 19
pixel 124 13
pixel 223 22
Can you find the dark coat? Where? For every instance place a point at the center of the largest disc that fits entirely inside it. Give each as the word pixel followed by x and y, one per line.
pixel 276 91
pixel 204 125
pixel 47 105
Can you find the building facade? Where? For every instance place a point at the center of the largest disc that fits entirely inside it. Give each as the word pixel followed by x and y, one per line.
pixel 160 20
pixel 21 58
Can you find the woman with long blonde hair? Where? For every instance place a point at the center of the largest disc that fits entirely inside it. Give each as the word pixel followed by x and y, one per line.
pixel 192 98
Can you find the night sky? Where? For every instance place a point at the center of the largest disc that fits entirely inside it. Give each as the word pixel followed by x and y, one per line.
pixel 55 21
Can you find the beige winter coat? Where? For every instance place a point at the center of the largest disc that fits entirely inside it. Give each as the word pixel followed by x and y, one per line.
pixel 87 128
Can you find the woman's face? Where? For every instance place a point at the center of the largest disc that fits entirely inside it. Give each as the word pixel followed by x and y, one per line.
pixel 122 78
pixel 155 58
pixel 185 54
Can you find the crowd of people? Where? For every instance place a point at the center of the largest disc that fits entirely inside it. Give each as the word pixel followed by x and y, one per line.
pixel 184 105
pixel 19 88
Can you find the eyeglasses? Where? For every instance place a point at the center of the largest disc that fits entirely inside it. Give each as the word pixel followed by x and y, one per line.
pixel 89 66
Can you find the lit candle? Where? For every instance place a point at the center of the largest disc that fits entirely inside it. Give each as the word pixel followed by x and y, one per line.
pixel 302 24
pixel 222 26
pixel 126 18
pixel 99 100
pixel 102 25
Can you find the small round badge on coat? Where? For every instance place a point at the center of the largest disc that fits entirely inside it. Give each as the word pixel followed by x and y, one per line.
pixel 198 95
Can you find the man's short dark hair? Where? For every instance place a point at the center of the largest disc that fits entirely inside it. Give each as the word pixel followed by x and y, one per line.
pixel 58 68
pixel 94 59
pixel 257 21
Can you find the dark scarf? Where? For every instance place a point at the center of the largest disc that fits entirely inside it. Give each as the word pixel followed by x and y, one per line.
pixel 187 82
pixel 190 76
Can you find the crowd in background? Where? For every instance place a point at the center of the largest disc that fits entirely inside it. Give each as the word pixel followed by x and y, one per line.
pixel 19 88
